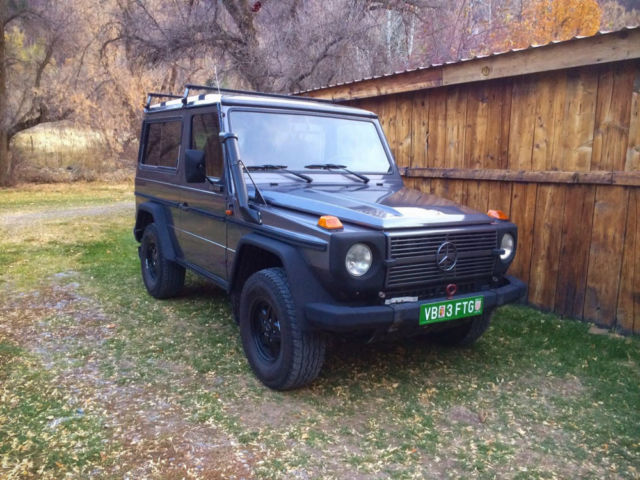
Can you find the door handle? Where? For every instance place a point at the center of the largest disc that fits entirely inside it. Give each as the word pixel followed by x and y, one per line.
pixel 183 206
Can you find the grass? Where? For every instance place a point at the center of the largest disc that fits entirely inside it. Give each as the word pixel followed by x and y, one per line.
pixel 53 153
pixel 42 434
pixel 39 196
pixel 538 397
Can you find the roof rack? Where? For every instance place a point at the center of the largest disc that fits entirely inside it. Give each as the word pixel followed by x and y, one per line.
pixel 190 86
pixel 158 95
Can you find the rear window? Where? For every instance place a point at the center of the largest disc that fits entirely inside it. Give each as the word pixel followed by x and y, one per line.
pixel 162 147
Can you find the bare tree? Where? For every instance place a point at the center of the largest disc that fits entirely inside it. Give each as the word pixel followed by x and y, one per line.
pixel 28 97
pixel 276 45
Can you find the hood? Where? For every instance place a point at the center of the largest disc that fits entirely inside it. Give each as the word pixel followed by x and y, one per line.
pixel 387 207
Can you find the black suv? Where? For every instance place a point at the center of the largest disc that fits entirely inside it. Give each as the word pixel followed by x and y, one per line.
pixel 296 208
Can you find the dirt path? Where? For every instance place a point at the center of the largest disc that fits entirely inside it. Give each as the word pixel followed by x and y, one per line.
pixel 157 437
pixel 149 430
pixel 17 219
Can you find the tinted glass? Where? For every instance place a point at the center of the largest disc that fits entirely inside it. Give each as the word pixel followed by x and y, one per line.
pixel 299 140
pixel 205 132
pixel 163 144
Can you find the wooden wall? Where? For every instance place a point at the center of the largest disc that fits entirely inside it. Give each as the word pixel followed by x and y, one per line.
pixel 558 151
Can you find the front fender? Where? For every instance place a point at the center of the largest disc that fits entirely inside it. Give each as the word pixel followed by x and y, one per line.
pixel 304 285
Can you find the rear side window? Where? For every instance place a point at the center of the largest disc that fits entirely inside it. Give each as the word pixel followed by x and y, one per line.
pixel 163 144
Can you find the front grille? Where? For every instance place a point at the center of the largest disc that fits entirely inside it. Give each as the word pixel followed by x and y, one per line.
pixel 415 246
pixel 414 256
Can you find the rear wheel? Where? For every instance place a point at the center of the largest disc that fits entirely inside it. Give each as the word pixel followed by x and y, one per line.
pixel 162 278
pixel 281 354
pixel 466 334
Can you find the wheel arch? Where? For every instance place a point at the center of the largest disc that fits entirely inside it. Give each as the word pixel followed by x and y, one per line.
pixel 256 252
pixel 150 212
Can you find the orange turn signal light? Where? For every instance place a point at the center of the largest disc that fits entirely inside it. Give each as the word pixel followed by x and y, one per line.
pixel 499 214
pixel 329 222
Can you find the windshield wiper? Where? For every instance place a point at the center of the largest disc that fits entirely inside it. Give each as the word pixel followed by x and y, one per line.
pixel 333 166
pixel 281 168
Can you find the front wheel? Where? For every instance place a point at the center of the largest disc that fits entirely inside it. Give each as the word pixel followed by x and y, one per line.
pixel 281 354
pixel 466 334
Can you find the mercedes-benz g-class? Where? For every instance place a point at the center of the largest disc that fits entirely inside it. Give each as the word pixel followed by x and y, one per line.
pixel 297 209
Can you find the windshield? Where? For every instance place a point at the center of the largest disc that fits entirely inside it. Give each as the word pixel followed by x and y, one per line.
pixel 296 140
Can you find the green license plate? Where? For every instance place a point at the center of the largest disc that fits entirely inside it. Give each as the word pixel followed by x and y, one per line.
pixel 451 310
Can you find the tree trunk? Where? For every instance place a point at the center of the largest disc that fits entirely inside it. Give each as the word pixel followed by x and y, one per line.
pixel 5 161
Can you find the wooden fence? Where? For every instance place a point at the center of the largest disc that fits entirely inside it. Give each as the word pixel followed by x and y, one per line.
pixel 558 150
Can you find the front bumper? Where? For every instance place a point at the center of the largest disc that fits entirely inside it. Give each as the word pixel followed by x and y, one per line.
pixel 341 318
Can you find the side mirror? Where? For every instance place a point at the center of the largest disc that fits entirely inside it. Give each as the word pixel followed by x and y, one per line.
pixel 194 166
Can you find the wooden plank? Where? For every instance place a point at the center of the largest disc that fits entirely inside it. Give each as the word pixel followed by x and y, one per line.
pixel 631 179
pixel 497 126
pixel 523 105
pixel 476 144
pixel 632 161
pixel 477 124
pixel 549 118
pixel 420 130
pixel 387 85
pixel 450 189
pixel 574 252
pixel 404 124
pixel 418 184
pixel 455 125
pixel 371 104
pixel 455 122
pixel 547 235
pixel 501 193
pixel 437 136
pixel 575 53
pixel 628 314
pixel 613 114
pixel 523 210
pixel 605 254
pixel 575 135
pixel 506 87
pixel 599 49
pixel 387 112
pixel 499 196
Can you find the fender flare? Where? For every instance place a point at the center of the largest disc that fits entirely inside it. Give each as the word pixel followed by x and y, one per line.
pixel 303 283
pixel 160 216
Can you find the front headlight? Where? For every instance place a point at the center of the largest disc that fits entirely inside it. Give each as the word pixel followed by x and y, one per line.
pixel 507 245
pixel 358 259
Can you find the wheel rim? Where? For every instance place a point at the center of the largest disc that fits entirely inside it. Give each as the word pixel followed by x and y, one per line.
pixel 151 261
pixel 265 330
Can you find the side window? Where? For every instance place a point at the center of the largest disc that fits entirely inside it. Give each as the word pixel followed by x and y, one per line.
pixel 162 147
pixel 205 131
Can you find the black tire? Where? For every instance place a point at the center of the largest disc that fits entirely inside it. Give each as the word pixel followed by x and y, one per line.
pixel 464 335
pixel 163 278
pixel 281 354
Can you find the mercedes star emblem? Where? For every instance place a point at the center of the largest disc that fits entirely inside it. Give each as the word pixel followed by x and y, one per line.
pixel 446 256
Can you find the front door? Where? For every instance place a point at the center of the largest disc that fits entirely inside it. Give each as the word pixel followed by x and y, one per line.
pixel 203 220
